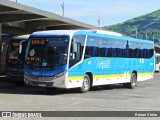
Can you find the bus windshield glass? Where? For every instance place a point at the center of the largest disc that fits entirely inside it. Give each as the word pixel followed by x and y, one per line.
pixel 47 52
pixel 13 56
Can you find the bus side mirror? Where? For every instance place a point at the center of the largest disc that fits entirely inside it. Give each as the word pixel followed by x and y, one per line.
pixel 20 48
pixel 2 48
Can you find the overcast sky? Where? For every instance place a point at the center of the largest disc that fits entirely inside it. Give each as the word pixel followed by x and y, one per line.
pixel 89 11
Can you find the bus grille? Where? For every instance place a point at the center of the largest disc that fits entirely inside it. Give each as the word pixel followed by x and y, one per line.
pixel 41 78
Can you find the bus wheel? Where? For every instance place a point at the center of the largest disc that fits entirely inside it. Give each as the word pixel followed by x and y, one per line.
pixel 132 83
pixel 86 84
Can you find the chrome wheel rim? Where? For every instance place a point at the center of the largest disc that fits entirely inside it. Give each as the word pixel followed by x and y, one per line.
pixel 85 84
pixel 133 80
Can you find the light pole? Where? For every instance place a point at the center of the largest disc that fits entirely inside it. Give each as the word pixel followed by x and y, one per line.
pixel 146 35
pixel 136 33
pixel 99 22
pixel 62 5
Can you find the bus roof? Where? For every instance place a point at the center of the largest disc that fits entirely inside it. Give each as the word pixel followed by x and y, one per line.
pixel 19 37
pixel 69 32
pixel 54 32
pixel 109 34
pixel 121 37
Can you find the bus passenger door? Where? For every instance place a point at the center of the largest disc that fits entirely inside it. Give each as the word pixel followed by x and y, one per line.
pixel 75 60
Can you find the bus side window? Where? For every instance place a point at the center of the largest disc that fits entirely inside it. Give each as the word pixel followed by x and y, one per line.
pixel 150 51
pixel 103 48
pixel 137 53
pixel 95 51
pixel 88 52
pixel 120 53
pixel 90 47
pixel 127 50
pixel 144 53
pixel 136 50
pixel 106 52
pixel 114 52
pixel 117 48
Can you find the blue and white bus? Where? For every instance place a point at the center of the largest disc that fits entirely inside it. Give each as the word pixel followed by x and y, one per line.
pixel 14 59
pixel 82 59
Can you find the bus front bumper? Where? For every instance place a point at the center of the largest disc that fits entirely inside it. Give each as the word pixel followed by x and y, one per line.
pixel 45 81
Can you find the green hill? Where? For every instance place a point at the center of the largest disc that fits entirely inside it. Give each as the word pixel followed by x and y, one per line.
pixel 149 23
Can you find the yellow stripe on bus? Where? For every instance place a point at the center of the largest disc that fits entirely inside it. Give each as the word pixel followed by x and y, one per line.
pixel 76 78
pixel 145 74
pixel 109 76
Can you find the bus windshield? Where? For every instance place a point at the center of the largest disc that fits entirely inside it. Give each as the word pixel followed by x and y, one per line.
pixel 48 52
pixel 13 56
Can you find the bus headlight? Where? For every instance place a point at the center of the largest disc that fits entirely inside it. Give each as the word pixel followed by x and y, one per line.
pixel 60 74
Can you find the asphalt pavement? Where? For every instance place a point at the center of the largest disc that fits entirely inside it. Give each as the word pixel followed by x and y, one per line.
pixel 144 97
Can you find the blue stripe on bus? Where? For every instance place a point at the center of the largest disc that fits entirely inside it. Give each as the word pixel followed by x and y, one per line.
pixel 106 66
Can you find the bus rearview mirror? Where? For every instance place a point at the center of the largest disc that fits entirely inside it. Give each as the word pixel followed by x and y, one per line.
pixel 2 48
pixel 20 48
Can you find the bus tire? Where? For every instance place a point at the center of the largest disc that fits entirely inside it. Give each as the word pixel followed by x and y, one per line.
pixel 86 84
pixel 132 83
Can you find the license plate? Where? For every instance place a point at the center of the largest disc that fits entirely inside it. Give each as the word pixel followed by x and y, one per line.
pixel 43 85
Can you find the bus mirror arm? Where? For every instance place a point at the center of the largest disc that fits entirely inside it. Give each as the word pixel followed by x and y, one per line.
pixel 21 46
pixel 2 48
